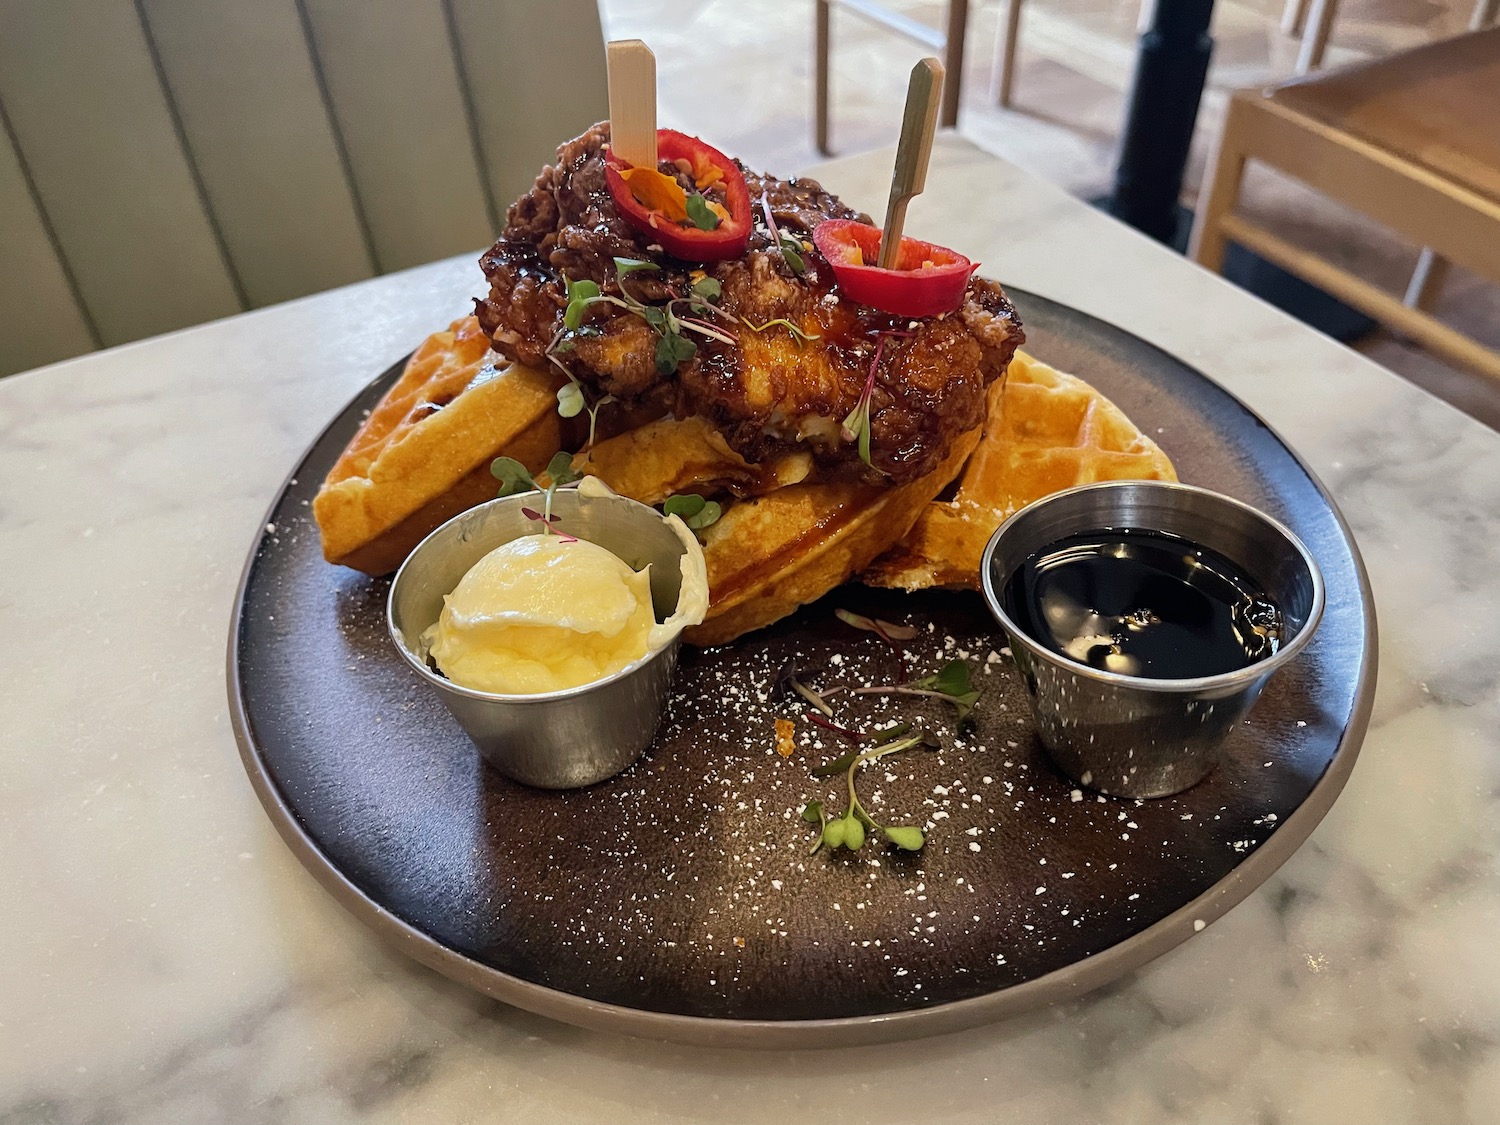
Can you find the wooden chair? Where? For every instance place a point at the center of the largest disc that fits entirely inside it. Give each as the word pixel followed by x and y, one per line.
pixel 1314 28
pixel 1008 41
pixel 165 163
pixel 1410 140
pixel 949 43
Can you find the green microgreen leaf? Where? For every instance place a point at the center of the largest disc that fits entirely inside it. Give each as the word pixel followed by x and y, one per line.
pixel 906 837
pixel 686 505
pixel 708 516
pixel 560 468
pixel 953 682
pixel 791 253
pixel 838 765
pixel 655 316
pixel 708 289
pixel 952 679
pixel 833 833
pixel 570 401
pixel 581 294
pixel 700 214
pixel 672 349
pixel 512 476
pixel 624 266
pixel 812 812
pixel 693 509
pixel 854 832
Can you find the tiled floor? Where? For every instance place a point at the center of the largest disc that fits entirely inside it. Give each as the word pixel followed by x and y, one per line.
pixel 739 72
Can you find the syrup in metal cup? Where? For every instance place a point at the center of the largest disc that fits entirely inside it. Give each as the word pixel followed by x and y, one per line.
pixel 1143 736
pixel 560 739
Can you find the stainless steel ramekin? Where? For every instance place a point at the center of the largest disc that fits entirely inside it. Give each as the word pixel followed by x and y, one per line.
pixel 561 739
pixel 1134 736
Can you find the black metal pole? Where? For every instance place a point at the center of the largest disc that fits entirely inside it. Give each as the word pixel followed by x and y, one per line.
pixel 1169 71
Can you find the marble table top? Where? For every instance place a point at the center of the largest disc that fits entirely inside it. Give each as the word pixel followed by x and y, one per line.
pixel 166 959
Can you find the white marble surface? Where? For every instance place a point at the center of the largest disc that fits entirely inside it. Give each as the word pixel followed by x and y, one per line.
pixel 167 960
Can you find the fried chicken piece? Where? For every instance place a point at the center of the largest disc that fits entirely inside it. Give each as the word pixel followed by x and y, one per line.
pixel 795 358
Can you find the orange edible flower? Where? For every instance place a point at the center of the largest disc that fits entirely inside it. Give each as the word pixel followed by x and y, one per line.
pixel 706 174
pixel 657 192
pixel 785 728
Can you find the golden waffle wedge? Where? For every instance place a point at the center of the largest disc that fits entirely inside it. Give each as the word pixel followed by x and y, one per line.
pixel 770 554
pixel 1046 431
pixel 424 453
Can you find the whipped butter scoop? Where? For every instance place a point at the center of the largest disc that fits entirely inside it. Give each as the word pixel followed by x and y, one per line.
pixel 553 651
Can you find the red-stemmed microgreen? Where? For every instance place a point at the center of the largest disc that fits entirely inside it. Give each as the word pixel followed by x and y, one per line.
pixel 856 427
pixel 843 732
pixel 791 248
pixel 952 684
pixel 515 478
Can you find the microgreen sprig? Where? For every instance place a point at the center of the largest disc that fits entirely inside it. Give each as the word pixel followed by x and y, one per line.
pixel 892 635
pixel 799 337
pixel 514 478
pixel 952 683
pixel 849 831
pixel 789 679
pixel 791 248
pixel 693 509
pixel 856 427
pixel 887 632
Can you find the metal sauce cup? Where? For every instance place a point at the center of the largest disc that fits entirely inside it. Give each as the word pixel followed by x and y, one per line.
pixel 1136 736
pixel 561 739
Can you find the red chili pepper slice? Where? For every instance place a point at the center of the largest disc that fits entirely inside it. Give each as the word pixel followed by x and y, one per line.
pixel 927 280
pixel 654 203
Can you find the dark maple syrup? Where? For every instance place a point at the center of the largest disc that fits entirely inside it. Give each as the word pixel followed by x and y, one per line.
pixel 1143 603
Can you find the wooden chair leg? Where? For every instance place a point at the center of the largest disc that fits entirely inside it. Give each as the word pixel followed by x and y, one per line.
pixel 1485 12
pixel 1220 193
pixel 1002 78
pixel 953 61
pixel 1315 38
pixel 1427 281
pixel 821 49
pixel 1294 18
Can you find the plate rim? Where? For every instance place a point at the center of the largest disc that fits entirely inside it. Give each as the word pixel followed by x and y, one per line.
pixel 1065 983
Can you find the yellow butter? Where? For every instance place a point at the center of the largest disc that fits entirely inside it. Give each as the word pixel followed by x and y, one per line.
pixel 543 613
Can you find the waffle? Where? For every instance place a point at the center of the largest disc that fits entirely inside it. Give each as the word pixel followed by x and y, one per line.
pixel 772 553
pixel 1046 431
pixel 670 455
pixel 415 462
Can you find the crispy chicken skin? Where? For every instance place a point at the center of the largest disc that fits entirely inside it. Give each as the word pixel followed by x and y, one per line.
pixel 771 391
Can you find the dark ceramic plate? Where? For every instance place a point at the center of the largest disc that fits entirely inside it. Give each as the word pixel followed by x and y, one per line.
pixel 678 900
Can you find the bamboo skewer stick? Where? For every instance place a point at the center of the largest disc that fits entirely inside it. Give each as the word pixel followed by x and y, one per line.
pixel 632 102
pixel 913 152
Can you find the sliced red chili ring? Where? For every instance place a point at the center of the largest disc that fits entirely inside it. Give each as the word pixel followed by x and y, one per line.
pixel 650 205
pixel 928 280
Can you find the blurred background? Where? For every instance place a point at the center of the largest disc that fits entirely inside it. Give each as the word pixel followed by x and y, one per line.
pixel 165 162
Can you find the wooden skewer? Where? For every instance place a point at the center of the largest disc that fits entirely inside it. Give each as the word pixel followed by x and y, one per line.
pixel 632 102
pixel 918 125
